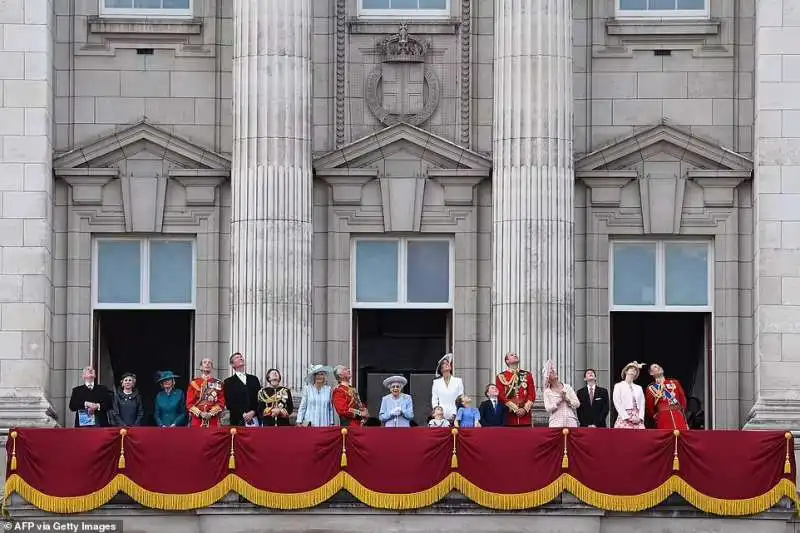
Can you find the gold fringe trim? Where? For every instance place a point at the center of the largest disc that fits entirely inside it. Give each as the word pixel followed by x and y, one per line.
pixel 676 464
pixel 787 464
pixel 343 460
pixel 399 502
pixel 14 450
pixel 565 459
pixel 454 458
pixel 121 462
pixel 232 458
pixel 785 488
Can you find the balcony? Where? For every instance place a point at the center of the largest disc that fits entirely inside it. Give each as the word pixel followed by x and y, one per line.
pixel 417 478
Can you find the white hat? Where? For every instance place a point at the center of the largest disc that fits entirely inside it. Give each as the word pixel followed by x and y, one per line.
pixel 388 382
pixel 446 357
pixel 633 364
pixel 317 369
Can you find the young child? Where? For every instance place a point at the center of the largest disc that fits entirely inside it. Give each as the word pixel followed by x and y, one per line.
pixel 438 420
pixel 466 416
pixel 493 412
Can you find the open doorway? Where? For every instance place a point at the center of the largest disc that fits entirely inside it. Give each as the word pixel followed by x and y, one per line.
pixel 406 342
pixel 143 342
pixel 679 342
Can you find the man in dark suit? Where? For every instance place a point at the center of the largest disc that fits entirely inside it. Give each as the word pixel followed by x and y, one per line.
pixel 241 393
pixel 90 401
pixel 594 407
pixel 493 411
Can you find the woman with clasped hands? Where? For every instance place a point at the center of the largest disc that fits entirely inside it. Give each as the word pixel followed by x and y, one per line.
pixel 629 399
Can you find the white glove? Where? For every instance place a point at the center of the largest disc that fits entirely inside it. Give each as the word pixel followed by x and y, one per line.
pixel 397 412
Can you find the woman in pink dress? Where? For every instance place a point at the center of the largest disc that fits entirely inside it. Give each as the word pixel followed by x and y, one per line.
pixel 629 399
pixel 560 400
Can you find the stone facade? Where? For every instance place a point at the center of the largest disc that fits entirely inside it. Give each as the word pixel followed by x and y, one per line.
pixel 276 136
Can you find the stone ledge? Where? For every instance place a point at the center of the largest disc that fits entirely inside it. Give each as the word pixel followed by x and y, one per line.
pixel 345 504
pixel 138 26
pixel 655 29
pixel 368 26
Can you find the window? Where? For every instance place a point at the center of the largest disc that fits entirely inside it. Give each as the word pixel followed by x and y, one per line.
pixel 146 8
pixel 397 273
pixel 663 8
pixel 661 275
pixel 143 273
pixel 404 8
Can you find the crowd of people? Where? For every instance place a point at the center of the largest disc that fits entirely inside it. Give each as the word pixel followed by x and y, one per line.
pixel 509 400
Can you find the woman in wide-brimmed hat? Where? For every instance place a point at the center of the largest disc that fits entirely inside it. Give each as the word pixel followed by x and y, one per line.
pixel 397 408
pixel 316 406
pixel 446 387
pixel 629 398
pixel 170 404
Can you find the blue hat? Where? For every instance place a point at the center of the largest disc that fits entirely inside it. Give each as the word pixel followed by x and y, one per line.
pixel 164 375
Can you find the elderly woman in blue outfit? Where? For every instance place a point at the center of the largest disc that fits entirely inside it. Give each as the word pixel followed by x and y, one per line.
pixel 170 405
pixel 397 408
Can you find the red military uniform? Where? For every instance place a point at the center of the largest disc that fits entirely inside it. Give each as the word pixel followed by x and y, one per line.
pixel 346 398
pixel 516 388
pixel 205 395
pixel 666 404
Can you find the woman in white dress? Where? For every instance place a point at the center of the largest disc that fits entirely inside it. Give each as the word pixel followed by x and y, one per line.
pixel 629 399
pixel 560 400
pixel 446 388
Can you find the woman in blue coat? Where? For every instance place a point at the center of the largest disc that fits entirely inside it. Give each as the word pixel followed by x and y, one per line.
pixel 170 408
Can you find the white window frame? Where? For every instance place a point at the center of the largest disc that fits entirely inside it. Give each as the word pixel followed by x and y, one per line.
pixel 406 14
pixel 144 274
pixel 661 279
pixel 402 274
pixel 133 12
pixel 663 13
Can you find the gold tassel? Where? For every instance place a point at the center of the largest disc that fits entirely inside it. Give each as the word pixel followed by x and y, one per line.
pixel 232 459
pixel 343 462
pixel 676 464
pixel 454 458
pixel 121 463
pixel 787 464
pixel 14 450
pixel 565 459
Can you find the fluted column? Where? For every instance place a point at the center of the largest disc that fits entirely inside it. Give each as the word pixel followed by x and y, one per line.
pixel 271 239
pixel 532 186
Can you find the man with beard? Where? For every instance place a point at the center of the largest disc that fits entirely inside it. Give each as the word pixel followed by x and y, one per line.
pixel 346 402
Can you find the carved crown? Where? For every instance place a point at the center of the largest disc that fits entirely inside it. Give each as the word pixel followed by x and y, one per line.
pixel 403 48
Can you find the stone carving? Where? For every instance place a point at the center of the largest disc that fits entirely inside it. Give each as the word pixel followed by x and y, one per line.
pixel 395 89
pixel 341 33
pixel 466 69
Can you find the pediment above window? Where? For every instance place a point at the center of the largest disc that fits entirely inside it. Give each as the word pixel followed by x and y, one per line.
pixel 144 175
pixel 666 175
pixel 670 141
pixel 404 172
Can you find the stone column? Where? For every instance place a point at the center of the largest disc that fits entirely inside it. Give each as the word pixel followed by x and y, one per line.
pixel 271 234
pixel 776 196
pixel 533 310
pixel 26 222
